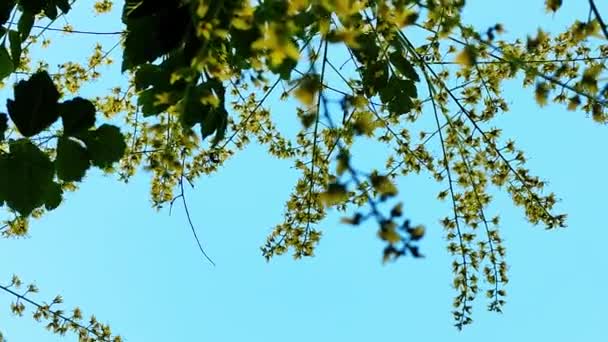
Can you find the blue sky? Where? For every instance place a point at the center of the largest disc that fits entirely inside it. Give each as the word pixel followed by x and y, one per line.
pixel 108 252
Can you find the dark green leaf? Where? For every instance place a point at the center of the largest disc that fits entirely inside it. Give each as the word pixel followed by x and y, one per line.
pixel 221 127
pixel 32 6
pixel 50 10
pixel 6 64
pixel 149 75
pixel 150 37
pixel 77 114
pixel 64 5
pixel 403 66
pixel 25 24
pixel 128 7
pixel 374 77
pixel 49 7
pixel 24 172
pixel 398 94
pixel 210 123
pixel 72 160
pixel 241 41
pixel 368 50
pixel 15 43
pixel 3 125
pixel 52 196
pixel 106 145
pixel 193 111
pixel 35 106
pixel 148 102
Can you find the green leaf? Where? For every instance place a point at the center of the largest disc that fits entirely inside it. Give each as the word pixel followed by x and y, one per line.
pixel 403 66
pixel 368 50
pixel 25 24
pixel 375 77
pixel 32 6
pixel 64 5
pixel 398 94
pixel 148 102
pixel 221 127
pixel 210 123
pixel 128 7
pixel 24 171
pixel 72 160
pixel 52 196
pixel 50 11
pixel 193 111
pixel 35 106
pixel 15 44
pixel 6 64
pixel 149 75
pixel 106 145
pixel 49 7
pixel 78 115
pixel 3 125
pixel 149 37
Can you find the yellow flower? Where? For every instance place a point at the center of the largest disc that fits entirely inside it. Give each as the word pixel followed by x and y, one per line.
pixel 349 36
pixel 280 47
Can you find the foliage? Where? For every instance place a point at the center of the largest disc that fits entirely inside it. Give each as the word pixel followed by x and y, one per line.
pixel 209 73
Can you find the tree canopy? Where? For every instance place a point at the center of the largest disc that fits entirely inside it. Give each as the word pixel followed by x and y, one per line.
pixel 408 75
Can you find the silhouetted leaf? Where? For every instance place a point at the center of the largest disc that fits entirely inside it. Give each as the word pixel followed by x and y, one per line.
pixel 52 196
pixel 24 172
pixel 64 5
pixel 72 160
pixel 398 94
pixel 3 125
pixel 15 45
pixel 193 111
pixel 150 36
pixel 149 75
pixel 35 105
pixel 220 132
pixel 209 123
pixel 6 64
pixel 77 115
pixel 25 24
pixel 106 145
pixel 403 66
pixel 148 101
pixel 374 77
pixel 49 7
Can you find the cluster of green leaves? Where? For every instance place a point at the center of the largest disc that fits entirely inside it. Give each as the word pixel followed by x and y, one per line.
pixel 219 62
pixel 40 159
pixel 29 179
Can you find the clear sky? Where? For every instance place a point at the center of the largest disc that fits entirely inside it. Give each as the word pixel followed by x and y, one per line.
pixel 108 252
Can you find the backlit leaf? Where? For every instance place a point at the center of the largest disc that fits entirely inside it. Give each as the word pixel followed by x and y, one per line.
pixel 24 172
pixel 35 106
pixel 72 160
pixel 106 145
pixel 77 115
